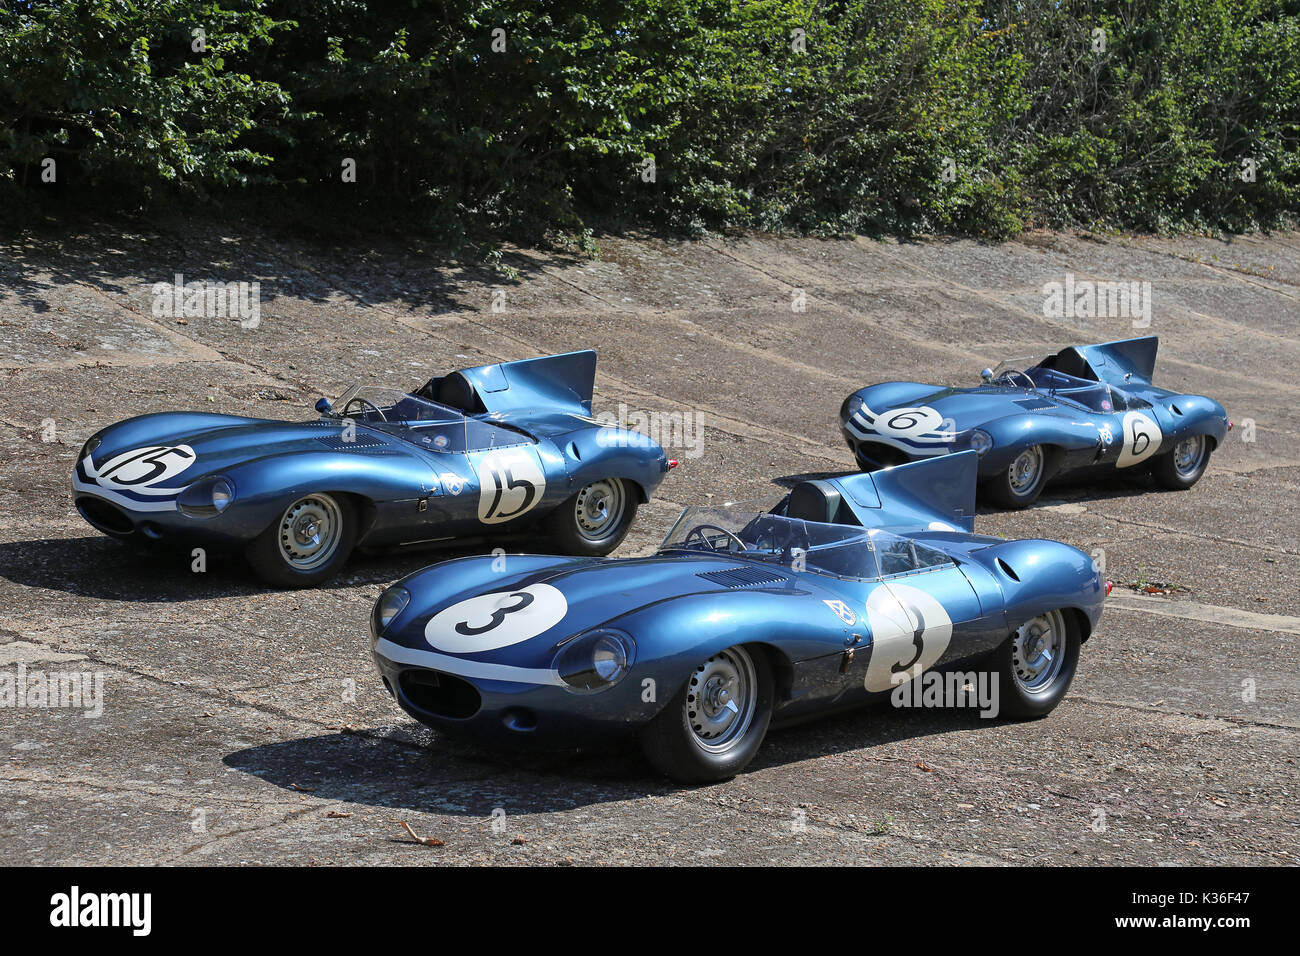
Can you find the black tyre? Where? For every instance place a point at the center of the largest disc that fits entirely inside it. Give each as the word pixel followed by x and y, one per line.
pixel 308 544
pixel 1021 482
pixel 1182 466
pixel 714 725
pixel 595 520
pixel 1035 665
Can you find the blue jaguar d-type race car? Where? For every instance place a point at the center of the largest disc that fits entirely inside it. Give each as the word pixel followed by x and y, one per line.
pixel 848 589
pixel 499 449
pixel 1085 411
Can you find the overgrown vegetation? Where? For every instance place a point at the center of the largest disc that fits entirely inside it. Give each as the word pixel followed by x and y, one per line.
pixel 907 116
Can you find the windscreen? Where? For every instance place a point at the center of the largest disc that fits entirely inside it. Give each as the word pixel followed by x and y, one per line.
pixel 839 550
pixel 430 425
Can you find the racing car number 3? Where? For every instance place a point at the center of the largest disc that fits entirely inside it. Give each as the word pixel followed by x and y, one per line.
pixel 490 621
pixel 910 631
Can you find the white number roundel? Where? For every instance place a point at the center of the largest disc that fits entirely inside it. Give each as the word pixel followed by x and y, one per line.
pixel 910 630
pixel 909 422
pixel 511 483
pixel 141 469
pixel 1142 437
pixel 490 621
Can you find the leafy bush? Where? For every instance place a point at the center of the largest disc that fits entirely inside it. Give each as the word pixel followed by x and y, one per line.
pixel 114 93
pixel 471 117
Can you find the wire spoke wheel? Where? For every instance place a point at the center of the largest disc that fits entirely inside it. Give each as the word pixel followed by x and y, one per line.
pixel 1024 472
pixel 1038 652
pixel 598 509
pixel 1188 455
pixel 721 699
pixel 310 531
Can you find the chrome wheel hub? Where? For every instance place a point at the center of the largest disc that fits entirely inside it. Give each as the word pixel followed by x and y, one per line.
pixel 599 508
pixel 309 532
pixel 1038 651
pixel 721 699
pixel 1188 454
pixel 1024 471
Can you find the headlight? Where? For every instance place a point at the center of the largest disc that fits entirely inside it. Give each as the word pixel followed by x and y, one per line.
pixel 223 493
pixel 206 498
pixel 981 441
pixel 389 605
pixel 595 661
pixel 91 444
pixel 851 406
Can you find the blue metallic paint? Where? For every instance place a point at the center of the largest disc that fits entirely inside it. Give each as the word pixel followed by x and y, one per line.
pixel 407 492
pixel 677 619
pixel 1017 417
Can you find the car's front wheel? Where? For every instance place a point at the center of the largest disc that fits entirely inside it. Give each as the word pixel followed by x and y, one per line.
pixel 715 724
pixel 308 544
pixel 1182 466
pixel 593 522
pixel 1036 665
pixel 1021 482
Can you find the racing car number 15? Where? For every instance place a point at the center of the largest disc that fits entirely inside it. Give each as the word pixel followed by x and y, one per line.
pixel 511 483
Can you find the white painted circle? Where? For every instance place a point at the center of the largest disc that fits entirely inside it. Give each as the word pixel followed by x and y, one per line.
pixel 511 483
pixel 141 469
pixel 1142 437
pixel 910 422
pixel 896 613
pixel 500 619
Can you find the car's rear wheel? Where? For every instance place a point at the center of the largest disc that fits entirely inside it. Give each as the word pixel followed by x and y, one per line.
pixel 595 520
pixel 714 725
pixel 1021 482
pixel 1036 665
pixel 1182 466
pixel 308 544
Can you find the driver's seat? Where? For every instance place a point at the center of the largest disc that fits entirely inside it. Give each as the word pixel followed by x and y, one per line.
pixel 455 391
pixel 814 501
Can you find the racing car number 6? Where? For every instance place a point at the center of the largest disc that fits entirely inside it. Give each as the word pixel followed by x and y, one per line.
pixel 1142 437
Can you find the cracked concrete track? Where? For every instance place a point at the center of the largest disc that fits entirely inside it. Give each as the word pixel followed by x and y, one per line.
pixel 245 725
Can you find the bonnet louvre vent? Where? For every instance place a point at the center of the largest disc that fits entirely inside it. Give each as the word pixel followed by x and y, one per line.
pixel 743 577
pixel 360 441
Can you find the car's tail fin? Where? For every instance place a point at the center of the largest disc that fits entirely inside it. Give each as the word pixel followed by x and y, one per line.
pixel 936 493
pixel 552 382
pixel 1127 361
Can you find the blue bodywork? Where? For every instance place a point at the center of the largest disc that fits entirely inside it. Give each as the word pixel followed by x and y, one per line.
pixel 426 475
pixel 1093 409
pixel 829 620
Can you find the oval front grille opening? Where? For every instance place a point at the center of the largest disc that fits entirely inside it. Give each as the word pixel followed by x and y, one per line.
pixel 440 694
pixel 885 454
pixel 109 519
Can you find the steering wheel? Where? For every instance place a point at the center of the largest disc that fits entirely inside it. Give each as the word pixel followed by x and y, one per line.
pixel 1010 374
pixel 699 530
pixel 363 401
